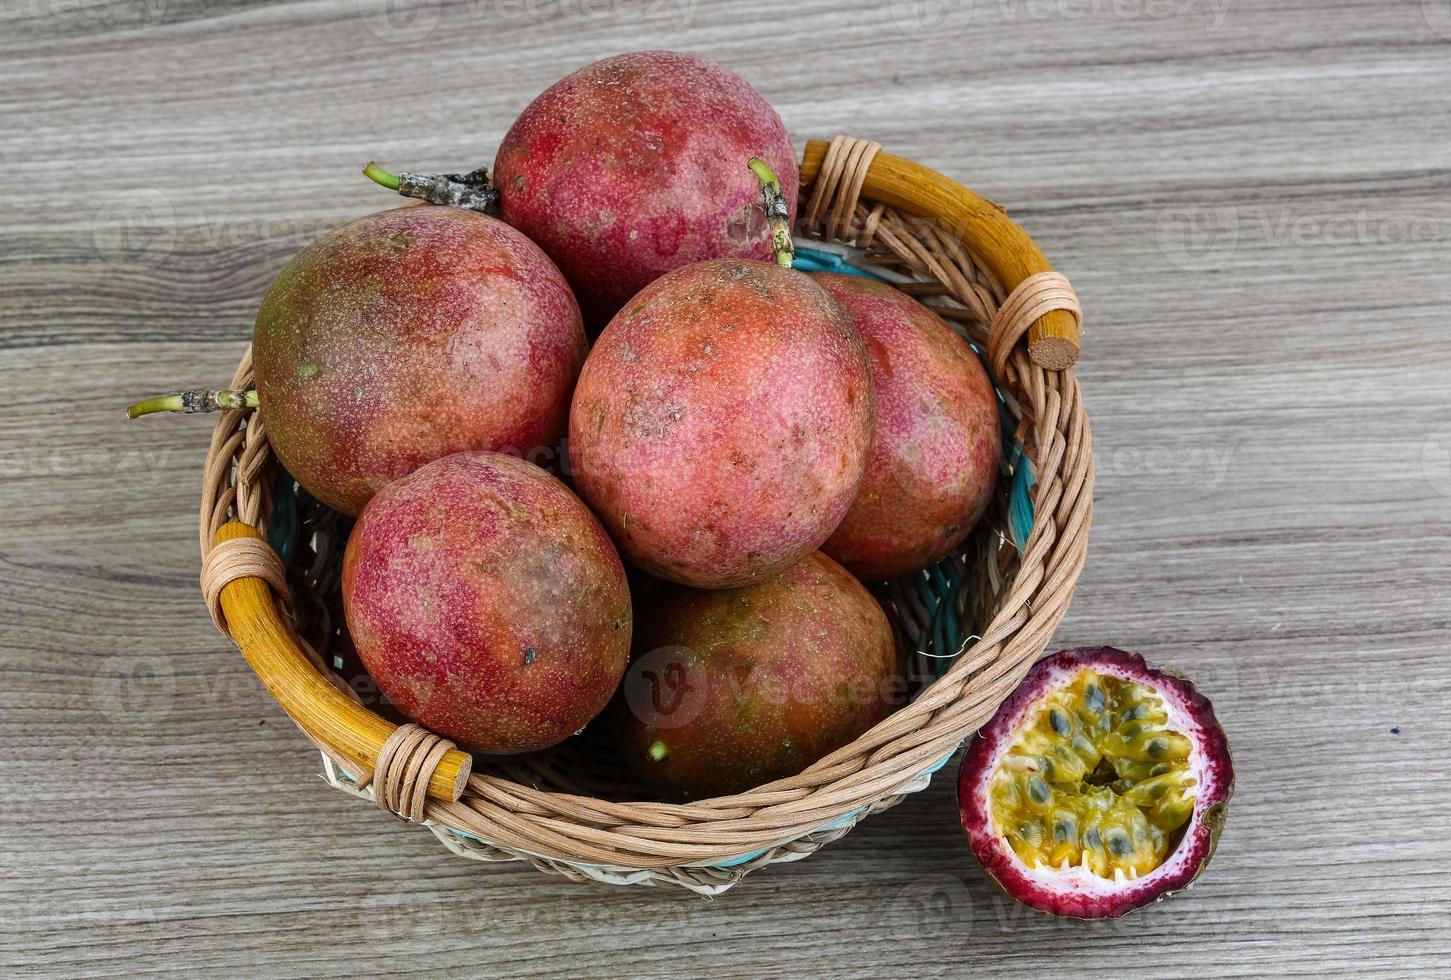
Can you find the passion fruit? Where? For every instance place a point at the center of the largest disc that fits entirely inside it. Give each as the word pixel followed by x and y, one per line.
pixel 933 460
pixel 487 602
pixel 731 688
pixel 1101 785
pixel 409 335
pixel 721 423
pixel 633 166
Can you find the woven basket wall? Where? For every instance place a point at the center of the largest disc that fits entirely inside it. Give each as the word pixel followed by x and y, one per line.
pixel 969 629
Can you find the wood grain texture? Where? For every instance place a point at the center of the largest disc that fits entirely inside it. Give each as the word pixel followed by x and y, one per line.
pixel 1251 197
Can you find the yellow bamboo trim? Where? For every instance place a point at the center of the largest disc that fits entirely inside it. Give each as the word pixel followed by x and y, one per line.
pixel 320 709
pixel 1054 338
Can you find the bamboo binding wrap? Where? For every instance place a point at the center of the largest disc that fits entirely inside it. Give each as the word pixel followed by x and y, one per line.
pixel 966 258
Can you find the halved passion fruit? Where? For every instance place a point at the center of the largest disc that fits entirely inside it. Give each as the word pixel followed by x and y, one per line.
pixel 1100 785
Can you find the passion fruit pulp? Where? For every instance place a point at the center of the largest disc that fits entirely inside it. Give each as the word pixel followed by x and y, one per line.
pixel 1101 785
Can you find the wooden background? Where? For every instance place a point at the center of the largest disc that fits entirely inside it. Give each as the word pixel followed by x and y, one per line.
pixel 1253 198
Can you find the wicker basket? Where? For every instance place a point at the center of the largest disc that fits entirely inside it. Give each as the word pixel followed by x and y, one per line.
pixel 970 628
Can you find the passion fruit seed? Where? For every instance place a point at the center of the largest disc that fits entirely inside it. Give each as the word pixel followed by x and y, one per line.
pixel 1097 779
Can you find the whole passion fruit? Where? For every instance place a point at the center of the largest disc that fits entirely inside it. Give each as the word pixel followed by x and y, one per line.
pixel 487 602
pixel 728 689
pixel 634 166
pixel 408 335
pixel 1101 785
pixel 721 423
pixel 933 462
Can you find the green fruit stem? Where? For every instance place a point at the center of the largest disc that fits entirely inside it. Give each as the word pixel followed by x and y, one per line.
pixel 658 750
pixel 778 213
pixel 473 191
pixel 378 175
pixel 192 402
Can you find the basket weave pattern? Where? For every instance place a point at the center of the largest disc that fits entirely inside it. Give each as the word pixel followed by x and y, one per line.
pixel 548 810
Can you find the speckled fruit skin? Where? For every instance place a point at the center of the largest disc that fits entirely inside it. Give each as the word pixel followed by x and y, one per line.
pixel 721 423
pixel 408 335
pixel 744 686
pixel 933 462
pixel 636 165
pixel 1048 891
pixel 487 602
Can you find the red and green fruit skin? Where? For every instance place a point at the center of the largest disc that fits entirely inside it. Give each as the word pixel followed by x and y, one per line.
pixel 636 165
pixel 720 425
pixel 737 687
pixel 408 335
pixel 487 603
pixel 933 462
pixel 1213 767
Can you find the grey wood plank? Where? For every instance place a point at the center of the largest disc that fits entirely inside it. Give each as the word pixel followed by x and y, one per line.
pixel 1251 198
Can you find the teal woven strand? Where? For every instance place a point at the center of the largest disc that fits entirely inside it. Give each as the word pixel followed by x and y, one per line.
pixel 815 260
pixel 1020 500
pixel 283 532
pixel 941 617
pixel 948 585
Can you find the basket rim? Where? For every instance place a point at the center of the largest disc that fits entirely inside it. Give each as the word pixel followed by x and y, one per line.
pixel 871 773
